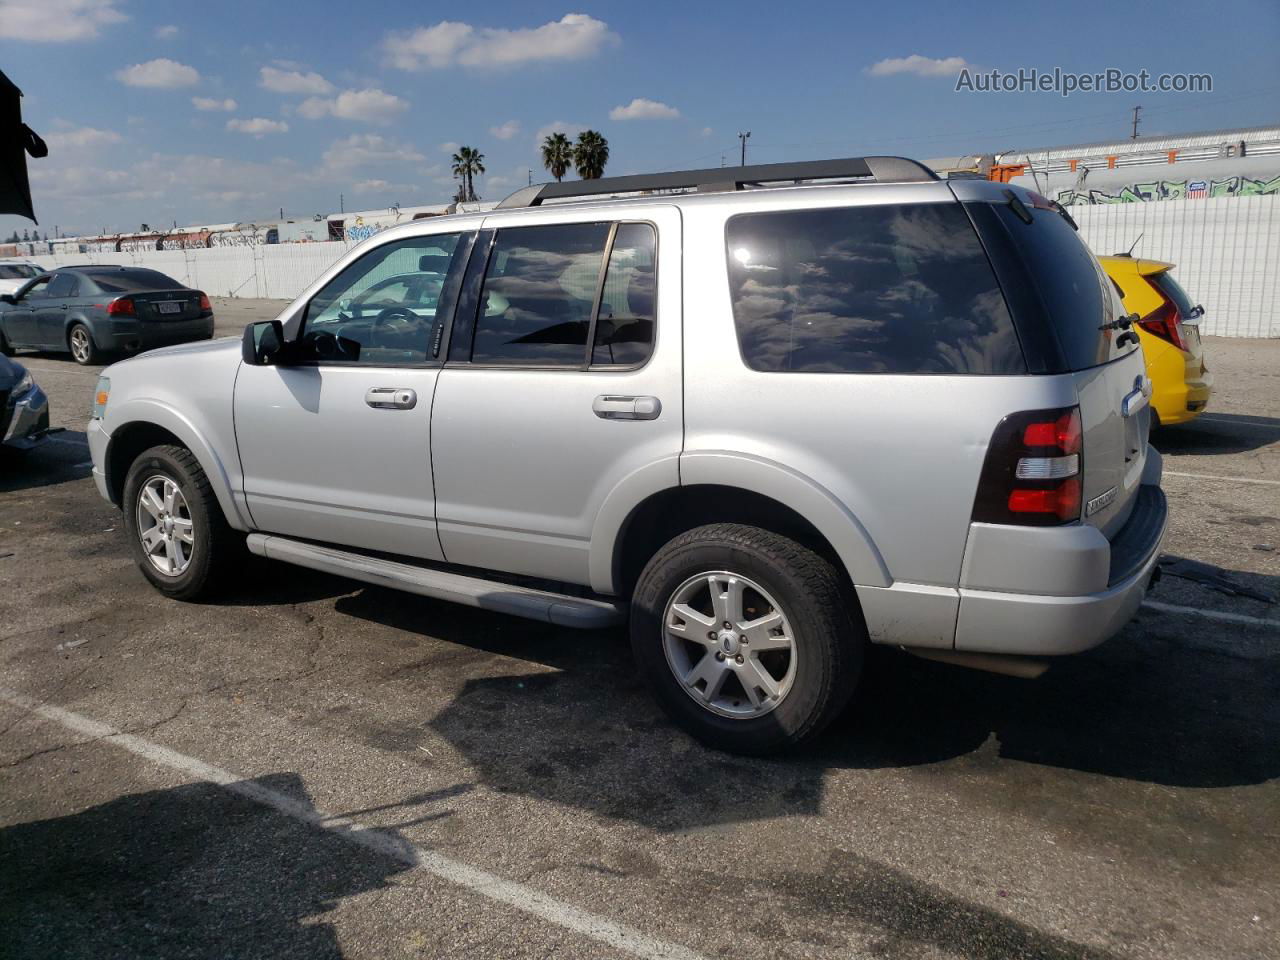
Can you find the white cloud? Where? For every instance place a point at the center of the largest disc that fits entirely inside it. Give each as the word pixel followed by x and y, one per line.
pixel 369 149
pixel 368 106
pixel 642 108
pixel 707 131
pixel 292 81
pixel 921 66
pixel 257 126
pixel 166 32
pixel 79 139
pixel 575 36
pixel 212 103
pixel 370 186
pixel 57 21
pixel 162 73
pixel 506 131
pixel 450 146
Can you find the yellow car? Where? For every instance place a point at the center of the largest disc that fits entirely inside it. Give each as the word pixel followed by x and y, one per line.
pixel 1170 338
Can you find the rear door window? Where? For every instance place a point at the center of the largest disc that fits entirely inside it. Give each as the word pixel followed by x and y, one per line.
pixel 62 286
pixel 538 295
pixel 1172 289
pixel 897 289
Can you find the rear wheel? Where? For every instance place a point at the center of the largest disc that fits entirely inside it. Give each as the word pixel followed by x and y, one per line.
pixel 178 536
pixel 83 350
pixel 746 637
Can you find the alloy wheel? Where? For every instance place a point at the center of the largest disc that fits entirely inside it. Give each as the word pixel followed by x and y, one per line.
pixel 729 644
pixel 164 525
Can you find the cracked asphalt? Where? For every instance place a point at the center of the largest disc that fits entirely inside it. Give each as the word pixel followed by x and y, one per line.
pixel 313 768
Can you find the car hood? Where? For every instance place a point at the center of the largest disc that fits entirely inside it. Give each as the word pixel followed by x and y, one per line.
pixel 11 286
pixel 215 347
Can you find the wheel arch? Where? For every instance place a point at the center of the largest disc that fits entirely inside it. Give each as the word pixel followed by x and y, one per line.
pixel 150 423
pixel 731 488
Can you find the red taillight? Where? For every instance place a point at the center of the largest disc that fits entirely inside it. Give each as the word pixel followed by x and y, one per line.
pixel 1165 321
pixel 205 304
pixel 122 308
pixel 1032 473
pixel 1062 434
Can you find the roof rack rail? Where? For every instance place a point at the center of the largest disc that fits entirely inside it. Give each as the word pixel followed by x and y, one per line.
pixel 723 179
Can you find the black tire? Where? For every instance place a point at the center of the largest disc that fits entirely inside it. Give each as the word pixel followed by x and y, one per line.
pixel 216 549
pixel 91 354
pixel 829 635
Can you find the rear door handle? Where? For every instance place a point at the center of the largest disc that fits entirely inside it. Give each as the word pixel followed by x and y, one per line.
pixel 391 398
pixel 611 407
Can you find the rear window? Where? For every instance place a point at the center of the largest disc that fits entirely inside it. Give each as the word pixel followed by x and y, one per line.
pixel 134 281
pixel 1172 289
pixel 16 271
pixel 870 289
pixel 1077 296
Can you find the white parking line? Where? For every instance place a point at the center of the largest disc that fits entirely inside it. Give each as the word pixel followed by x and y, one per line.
pixel 1218 476
pixel 488 885
pixel 1210 614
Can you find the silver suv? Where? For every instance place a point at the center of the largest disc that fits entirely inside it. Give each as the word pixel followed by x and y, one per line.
pixel 768 415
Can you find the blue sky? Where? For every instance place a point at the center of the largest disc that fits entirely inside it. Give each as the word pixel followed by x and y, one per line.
pixel 215 112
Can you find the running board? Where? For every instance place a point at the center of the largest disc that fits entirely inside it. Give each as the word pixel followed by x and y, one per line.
pixel 563 611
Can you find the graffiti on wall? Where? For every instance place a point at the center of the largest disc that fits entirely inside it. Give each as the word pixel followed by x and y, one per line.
pixel 1188 189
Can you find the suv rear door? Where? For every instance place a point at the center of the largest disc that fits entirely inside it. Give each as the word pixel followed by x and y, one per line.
pixel 563 383
pixel 1069 319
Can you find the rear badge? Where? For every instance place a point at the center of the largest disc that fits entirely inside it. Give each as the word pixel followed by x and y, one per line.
pixel 1099 502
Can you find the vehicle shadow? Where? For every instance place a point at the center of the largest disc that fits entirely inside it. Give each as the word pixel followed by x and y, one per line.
pixel 1218 433
pixel 192 871
pixel 1150 706
pixel 62 457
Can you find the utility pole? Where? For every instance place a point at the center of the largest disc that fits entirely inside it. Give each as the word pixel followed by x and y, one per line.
pixel 282 213
pixel 1136 111
pixel 743 138
pixel 529 171
pixel 342 204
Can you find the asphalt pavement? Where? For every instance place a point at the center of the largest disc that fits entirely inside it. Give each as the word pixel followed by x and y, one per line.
pixel 314 768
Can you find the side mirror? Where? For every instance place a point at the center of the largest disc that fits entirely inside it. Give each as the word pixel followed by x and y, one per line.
pixel 8 298
pixel 262 343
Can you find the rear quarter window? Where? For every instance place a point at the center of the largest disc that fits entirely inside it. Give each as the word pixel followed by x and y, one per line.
pixel 1078 300
pixel 894 289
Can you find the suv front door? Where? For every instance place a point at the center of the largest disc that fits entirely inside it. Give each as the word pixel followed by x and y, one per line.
pixel 563 385
pixel 335 442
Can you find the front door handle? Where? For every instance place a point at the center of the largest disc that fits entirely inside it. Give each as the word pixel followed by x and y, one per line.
pixel 391 398
pixel 610 407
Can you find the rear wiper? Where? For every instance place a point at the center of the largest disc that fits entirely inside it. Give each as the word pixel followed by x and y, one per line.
pixel 1121 323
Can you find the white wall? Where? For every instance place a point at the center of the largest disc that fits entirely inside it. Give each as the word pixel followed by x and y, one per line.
pixel 1226 252
pixel 277 271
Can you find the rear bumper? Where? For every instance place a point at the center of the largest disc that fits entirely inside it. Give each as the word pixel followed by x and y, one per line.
pixel 1182 400
pixel 145 335
pixel 993 621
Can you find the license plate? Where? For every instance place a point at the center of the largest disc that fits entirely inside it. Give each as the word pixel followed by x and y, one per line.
pixel 171 306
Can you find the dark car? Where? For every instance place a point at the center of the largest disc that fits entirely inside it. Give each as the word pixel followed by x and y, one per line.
pixel 93 310
pixel 24 409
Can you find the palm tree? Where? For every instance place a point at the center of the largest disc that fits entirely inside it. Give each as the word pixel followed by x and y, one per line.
pixel 557 154
pixel 468 162
pixel 590 154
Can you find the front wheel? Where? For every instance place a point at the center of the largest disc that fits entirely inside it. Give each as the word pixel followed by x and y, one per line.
pixel 747 638
pixel 83 350
pixel 178 536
